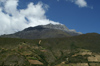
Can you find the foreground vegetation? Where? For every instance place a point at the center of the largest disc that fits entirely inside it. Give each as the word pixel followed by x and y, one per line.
pixel 80 50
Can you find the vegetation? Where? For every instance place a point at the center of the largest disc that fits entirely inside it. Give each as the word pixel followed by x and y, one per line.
pixel 50 52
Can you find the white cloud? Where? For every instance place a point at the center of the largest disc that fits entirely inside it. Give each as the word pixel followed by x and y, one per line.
pixel 13 19
pixel 80 3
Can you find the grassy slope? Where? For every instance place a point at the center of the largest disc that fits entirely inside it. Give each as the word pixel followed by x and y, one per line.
pixel 87 41
pixel 55 47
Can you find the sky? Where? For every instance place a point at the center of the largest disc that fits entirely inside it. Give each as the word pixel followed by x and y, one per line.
pixel 81 15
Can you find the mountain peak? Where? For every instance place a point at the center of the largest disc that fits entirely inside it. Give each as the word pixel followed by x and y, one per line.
pixel 48 26
pixel 44 31
pixel 56 26
pixel 61 27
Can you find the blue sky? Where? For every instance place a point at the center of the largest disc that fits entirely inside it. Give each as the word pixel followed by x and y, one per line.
pixel 82 19
pixel 83 15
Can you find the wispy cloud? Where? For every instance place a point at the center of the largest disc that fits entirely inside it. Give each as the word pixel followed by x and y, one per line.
pixel 80 3
pixel 58 0
pixel 13 19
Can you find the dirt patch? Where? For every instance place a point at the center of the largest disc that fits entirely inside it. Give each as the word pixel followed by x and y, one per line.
pixel 35 62
pixel 94 64
pixel 92 59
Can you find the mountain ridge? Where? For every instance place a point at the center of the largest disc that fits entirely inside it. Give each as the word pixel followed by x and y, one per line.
pixel 44 31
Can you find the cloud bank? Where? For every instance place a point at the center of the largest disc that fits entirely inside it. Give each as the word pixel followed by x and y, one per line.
pixel 13 19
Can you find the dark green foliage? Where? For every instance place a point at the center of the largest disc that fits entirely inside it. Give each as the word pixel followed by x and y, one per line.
pixel 78 59
pixel 32 58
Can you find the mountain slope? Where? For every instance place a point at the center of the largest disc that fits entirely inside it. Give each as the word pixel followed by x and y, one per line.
pixel 79 50
pixel 44 31
pixel 38 33
pixel 63 28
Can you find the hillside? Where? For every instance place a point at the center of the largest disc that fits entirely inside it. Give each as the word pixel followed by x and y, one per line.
pixel 77 51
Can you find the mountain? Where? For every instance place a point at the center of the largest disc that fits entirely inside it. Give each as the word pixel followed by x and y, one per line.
pixel 63 28
pixel 44 31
